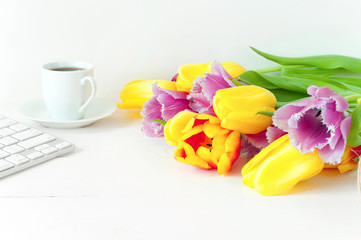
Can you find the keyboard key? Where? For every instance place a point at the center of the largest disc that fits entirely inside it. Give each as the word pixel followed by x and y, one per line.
pixel 49 150
pixel 6 122
pixel 3 154
pixel 63 145
pixel 19 127
pixel 13 149
pixel 36 141
pixel 21 136
pixel 7 141
pixel 17 159
pixel 4 165
pixel 34 155
pixel 6 132
pixel 42 147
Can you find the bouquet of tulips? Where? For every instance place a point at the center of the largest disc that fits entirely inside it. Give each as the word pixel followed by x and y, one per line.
pixel 290 121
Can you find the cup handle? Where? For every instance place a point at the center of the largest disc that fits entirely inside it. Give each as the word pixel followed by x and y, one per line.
pixel 92 95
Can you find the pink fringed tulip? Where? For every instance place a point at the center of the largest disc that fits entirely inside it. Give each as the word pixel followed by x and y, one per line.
pixel 164 105
pixel 318 122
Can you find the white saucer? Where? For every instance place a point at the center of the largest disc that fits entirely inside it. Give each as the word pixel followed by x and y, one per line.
pixel 36 111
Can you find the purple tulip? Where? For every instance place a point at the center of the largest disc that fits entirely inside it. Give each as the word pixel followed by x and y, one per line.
pixel 318 122
pixel 164 105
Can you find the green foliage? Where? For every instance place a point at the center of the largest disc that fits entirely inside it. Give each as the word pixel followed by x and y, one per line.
pixel 354 136
pixel 320 61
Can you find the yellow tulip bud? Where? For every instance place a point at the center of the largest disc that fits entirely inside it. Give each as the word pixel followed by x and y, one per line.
pixel 237 107
pixel 187 73
pixel 137 92
pixel 279 167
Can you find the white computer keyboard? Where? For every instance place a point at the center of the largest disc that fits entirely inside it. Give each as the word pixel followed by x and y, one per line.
pixel 22 146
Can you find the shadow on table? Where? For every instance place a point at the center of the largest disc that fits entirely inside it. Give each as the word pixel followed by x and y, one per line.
pixel 237 167
pixel 327 181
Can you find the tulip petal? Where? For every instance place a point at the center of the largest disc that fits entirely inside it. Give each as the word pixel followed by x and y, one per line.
pixel 173 129
pixel 137 92
pixel 205 154
pixel 281 118
pixel 258 140
pixel 352 165
pixel 334 155
pixel 274 133
pixel 132 103
pixel 246 123
pixel 187 73
pixel 150 127
pixel 276 176
pixel 248 149
pixel 185 153
pixel 224 164
pixel 217 152
pixel 326 92
pixel 233 148
pixel 250 169
pixel 170 106
pixel 311 133
pixel 229 70
pixel 211 130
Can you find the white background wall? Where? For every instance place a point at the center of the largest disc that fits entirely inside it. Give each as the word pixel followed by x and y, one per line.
pixel 140 39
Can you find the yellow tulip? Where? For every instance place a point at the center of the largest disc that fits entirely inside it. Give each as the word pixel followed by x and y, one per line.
pixel 187 73
pixel 137 92
pixel 279 167
pixel 237 107
pixel 202 142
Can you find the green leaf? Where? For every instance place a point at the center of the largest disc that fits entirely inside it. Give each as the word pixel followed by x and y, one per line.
pixel 160 121
pixel 266 113
pixel 343 86
pixel 286 71
pixel 320 61
pixel 298 84
pixel 350 81
pixel 354 135
pixel 286 96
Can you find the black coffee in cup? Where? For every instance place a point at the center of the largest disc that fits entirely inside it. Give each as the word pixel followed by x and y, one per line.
pixel 66 69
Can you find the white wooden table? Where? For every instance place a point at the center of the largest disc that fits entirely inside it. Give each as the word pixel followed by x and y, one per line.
pixel 119 184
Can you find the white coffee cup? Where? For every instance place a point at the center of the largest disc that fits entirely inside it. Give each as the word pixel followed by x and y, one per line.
pixel 65 89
